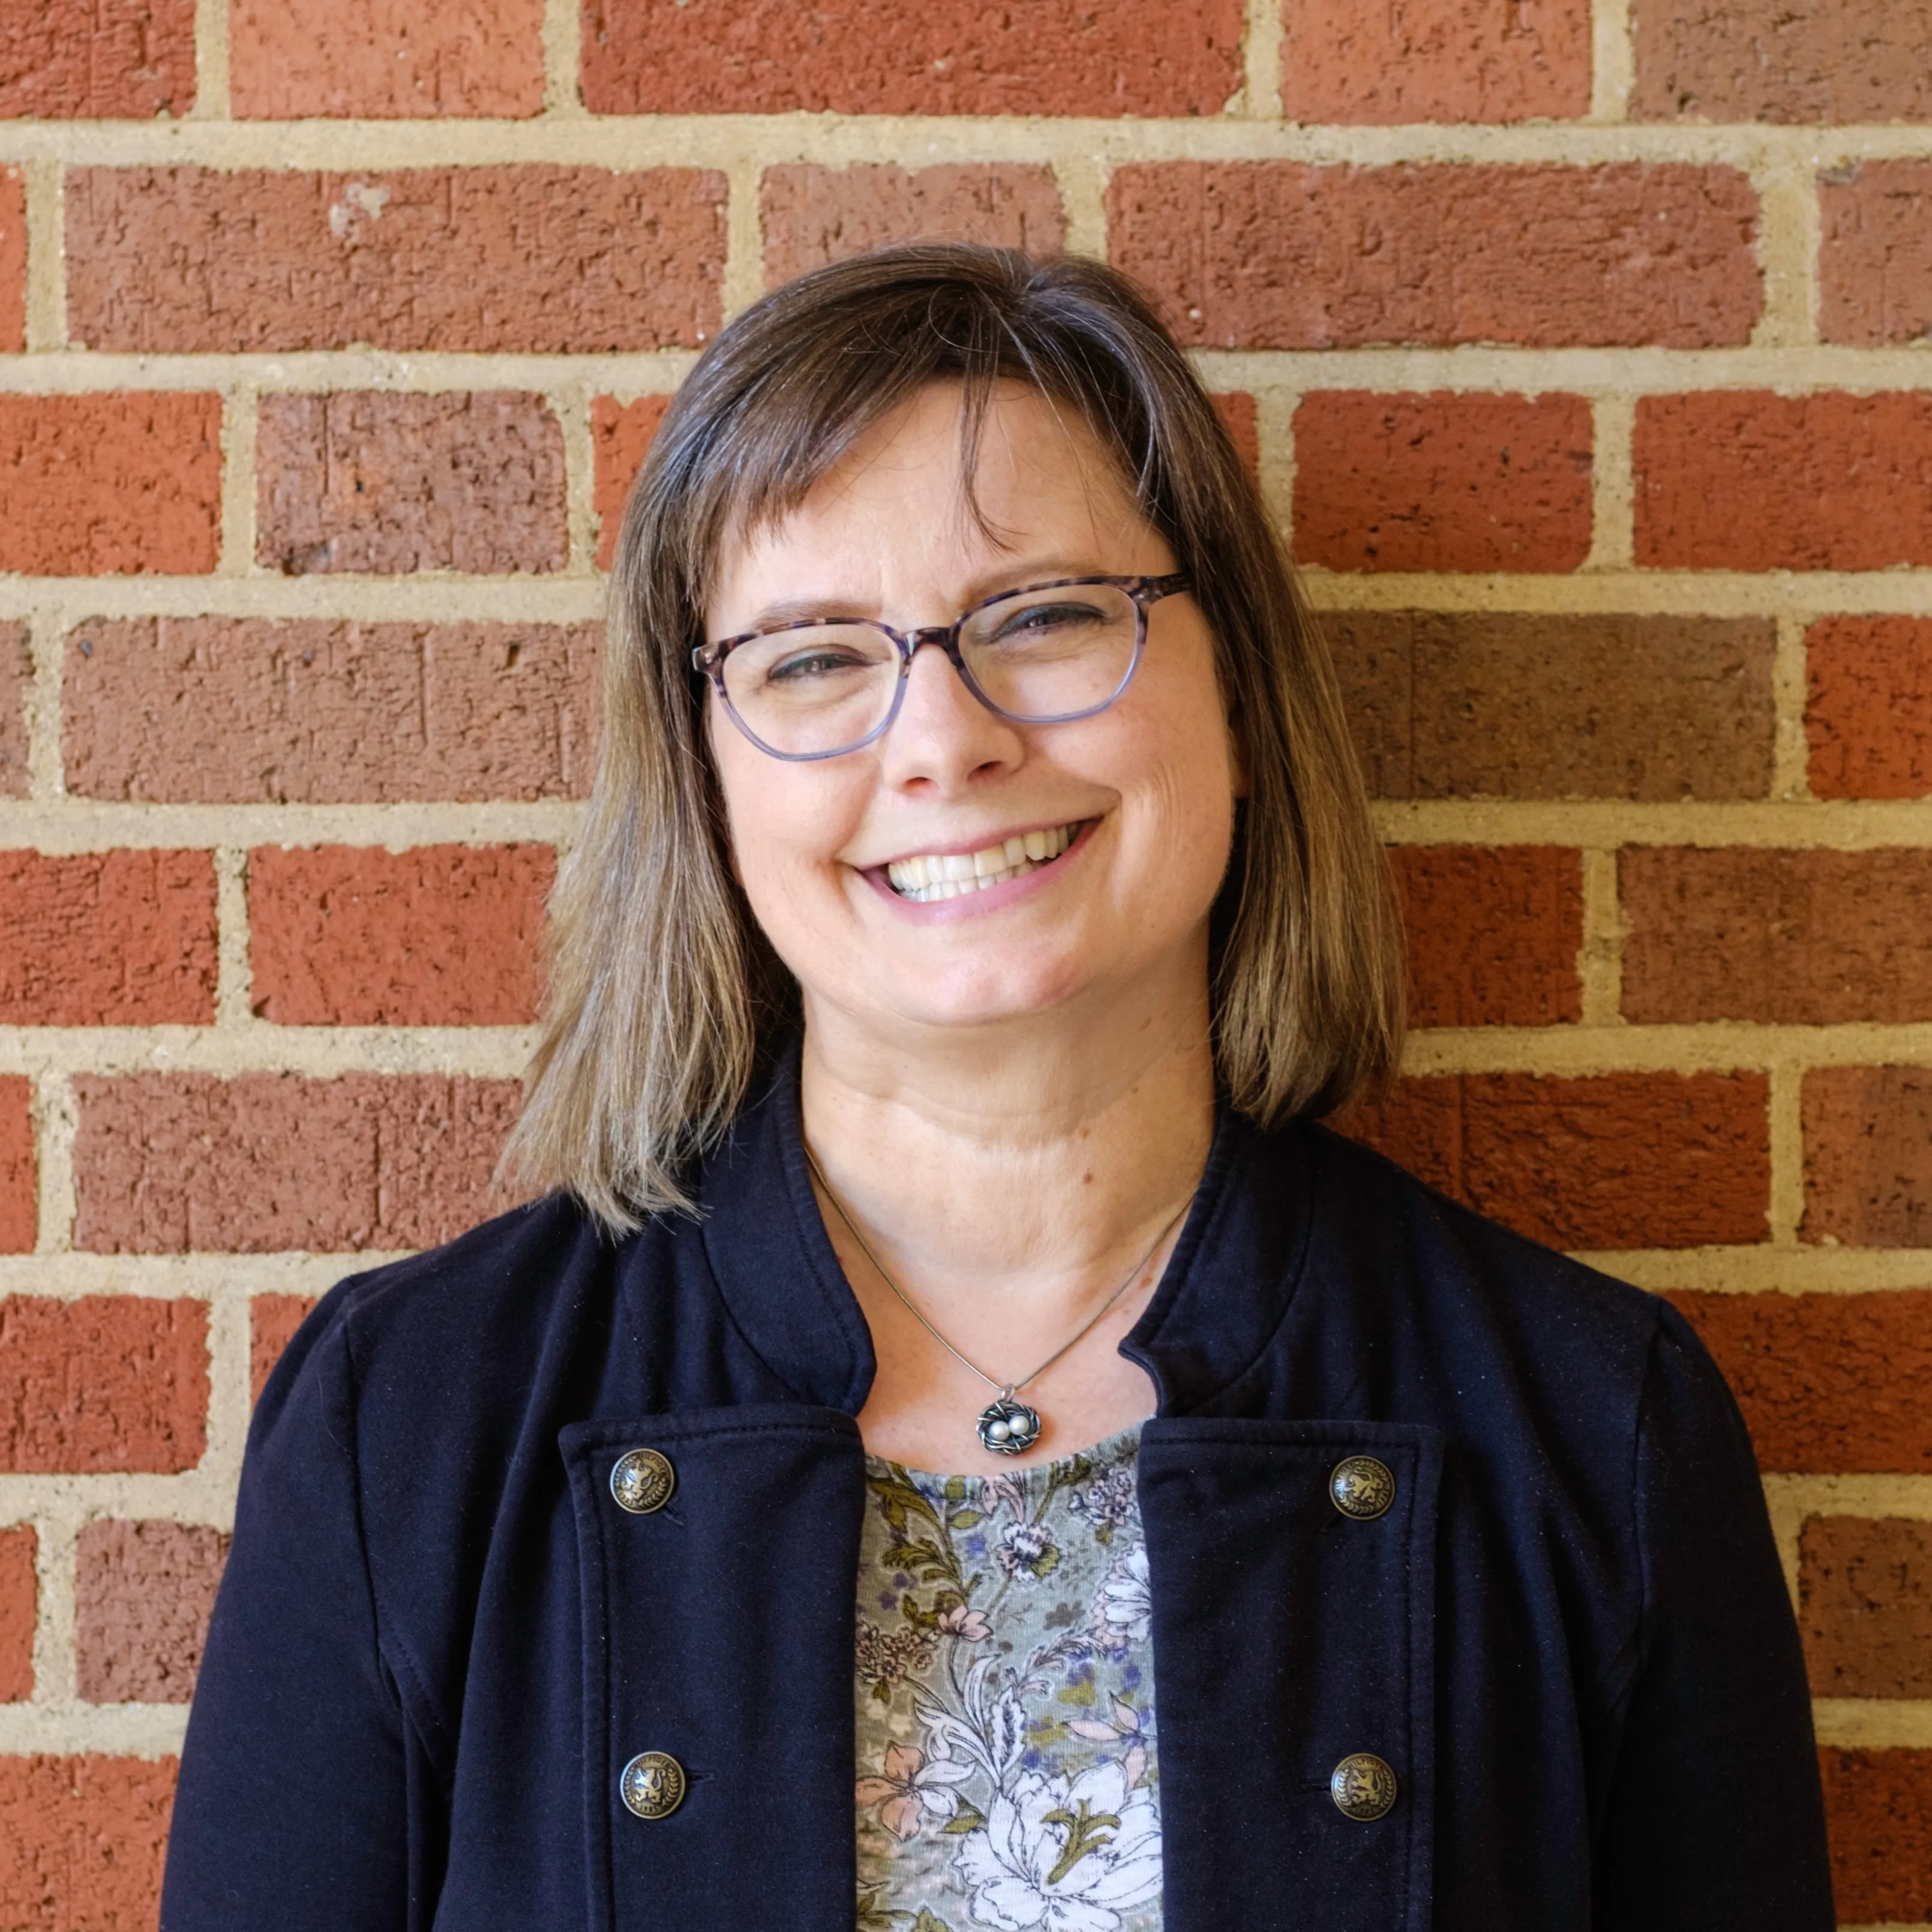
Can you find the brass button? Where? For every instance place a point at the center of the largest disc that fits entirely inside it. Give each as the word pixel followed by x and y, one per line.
pixel 1361 1486
pixel 1363 1786
pixel 643 1481
pixel 652 1785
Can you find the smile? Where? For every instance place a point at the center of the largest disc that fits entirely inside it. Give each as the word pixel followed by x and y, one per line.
pixel 949 875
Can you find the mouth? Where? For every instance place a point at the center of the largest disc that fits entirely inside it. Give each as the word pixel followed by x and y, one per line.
pixel 925 877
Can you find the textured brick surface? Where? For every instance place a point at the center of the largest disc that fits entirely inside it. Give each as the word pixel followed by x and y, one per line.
pixel 81 1842
pixel 100 485
pixel 370 481
pixel 273 1320
pixel 1614 1160
pixel 1451 704
pixel 440 935
pixel 169 1164
pixel 1746 480
pixel 1283 255
pixel 1442 481
pixel 19 1172
pixel 620 434
pixel 1805 938
pixel 20 1607
pixel 1868 1156
pixel 1830 1384
pixel 812 215
pixel 377 59
pixel 1879 1804
pixel 1493 934
pixel 1875 254
pixel 106 1382
pixel 1865 1607
pixel 1868 713
pixel 1435 60
pixel 106 938
pixel 143 1593
pixel 1782 60
pixel 16 682
pixel 880 57
pixel 233 710
pixel 97 59
pixel 13 260
pixel 534 258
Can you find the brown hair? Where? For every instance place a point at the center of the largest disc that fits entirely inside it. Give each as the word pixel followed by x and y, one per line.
pixel 664 996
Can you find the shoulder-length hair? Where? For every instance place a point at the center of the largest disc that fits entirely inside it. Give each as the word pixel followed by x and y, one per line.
pixel 664 997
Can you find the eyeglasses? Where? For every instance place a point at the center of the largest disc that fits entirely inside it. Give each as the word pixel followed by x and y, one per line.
pixel 1045 655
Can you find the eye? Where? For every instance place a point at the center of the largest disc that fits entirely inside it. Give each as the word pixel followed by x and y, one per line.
pixel 814 661
pixel 1044 620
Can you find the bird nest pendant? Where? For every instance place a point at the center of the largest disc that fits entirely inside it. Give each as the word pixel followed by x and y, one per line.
pixel 1008 1427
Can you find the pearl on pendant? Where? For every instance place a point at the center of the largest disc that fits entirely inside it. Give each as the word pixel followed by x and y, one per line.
pixel 999 1431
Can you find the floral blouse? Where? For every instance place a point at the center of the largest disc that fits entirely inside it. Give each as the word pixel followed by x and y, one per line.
pixel 1005 1682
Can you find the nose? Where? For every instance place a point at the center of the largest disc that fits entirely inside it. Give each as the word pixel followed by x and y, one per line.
pixel 944 735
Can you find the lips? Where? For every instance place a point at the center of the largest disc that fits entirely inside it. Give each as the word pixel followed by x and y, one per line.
pixel 925 877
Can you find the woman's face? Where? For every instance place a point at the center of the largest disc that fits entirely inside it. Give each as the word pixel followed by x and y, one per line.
pixel 1144 790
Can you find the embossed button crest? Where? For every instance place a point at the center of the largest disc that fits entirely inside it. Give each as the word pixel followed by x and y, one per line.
pixel 643 1481
pixel 1361 1486
pixel 653 1784
pixel 1363 1786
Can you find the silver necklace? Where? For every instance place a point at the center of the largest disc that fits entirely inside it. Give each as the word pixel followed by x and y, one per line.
pixel 1007 1426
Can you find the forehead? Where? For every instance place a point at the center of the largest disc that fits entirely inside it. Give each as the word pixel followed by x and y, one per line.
pixel 923 479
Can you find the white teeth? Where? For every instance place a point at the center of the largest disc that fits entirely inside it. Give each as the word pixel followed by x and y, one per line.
pixel 945 875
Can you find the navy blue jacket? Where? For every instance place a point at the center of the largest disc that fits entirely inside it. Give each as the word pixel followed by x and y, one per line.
pixel 439 1640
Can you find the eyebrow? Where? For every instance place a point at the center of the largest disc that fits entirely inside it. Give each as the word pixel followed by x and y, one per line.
pixel 829 610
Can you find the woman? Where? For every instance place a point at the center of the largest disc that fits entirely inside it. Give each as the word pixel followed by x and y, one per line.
pixel 976 904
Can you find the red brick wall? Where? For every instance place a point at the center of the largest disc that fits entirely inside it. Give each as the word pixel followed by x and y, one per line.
pixel 1580 349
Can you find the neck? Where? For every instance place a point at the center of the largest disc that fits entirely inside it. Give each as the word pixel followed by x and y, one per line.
pixel 1029 1160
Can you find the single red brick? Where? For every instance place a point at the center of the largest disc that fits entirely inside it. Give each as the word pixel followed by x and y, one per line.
pixel 1864 1605
pixel 560 259
pixel 1493 934
pixel 1435 60
pixel 1875 254
pixel 16 684
pixel 104 1383
pixel 620 434
pixel 384 59
pixel 1878 1805
pixel 121 60
pixel 814 215
pixel 81 1841
pixel 1868 714
pixel 1238 412
pixel 1868 1157
pixel 1610 1160
pixel 13 259
pixel 1743 479
pixel 273 1320
pixel 1782 60
pixel 123 938
pixel 1443 481
pixel 1289 255
pixel 171 1164
pixel 20 1180
pixel 102 485
pixel 1454 704
pixel 384 481
pixel 440 935
pixel 142 1593
pixel 230 711
pixel 1027 57
pixel 1803 938
pixel 1830 1384
pixel 19 1612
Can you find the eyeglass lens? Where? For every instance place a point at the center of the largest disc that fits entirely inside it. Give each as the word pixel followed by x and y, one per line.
pixel 1037 656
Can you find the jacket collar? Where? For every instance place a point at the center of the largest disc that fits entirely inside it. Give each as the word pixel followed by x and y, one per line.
pixel 1222 1301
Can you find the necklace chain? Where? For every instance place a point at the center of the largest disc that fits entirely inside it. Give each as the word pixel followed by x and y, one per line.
pixel 1005 1389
